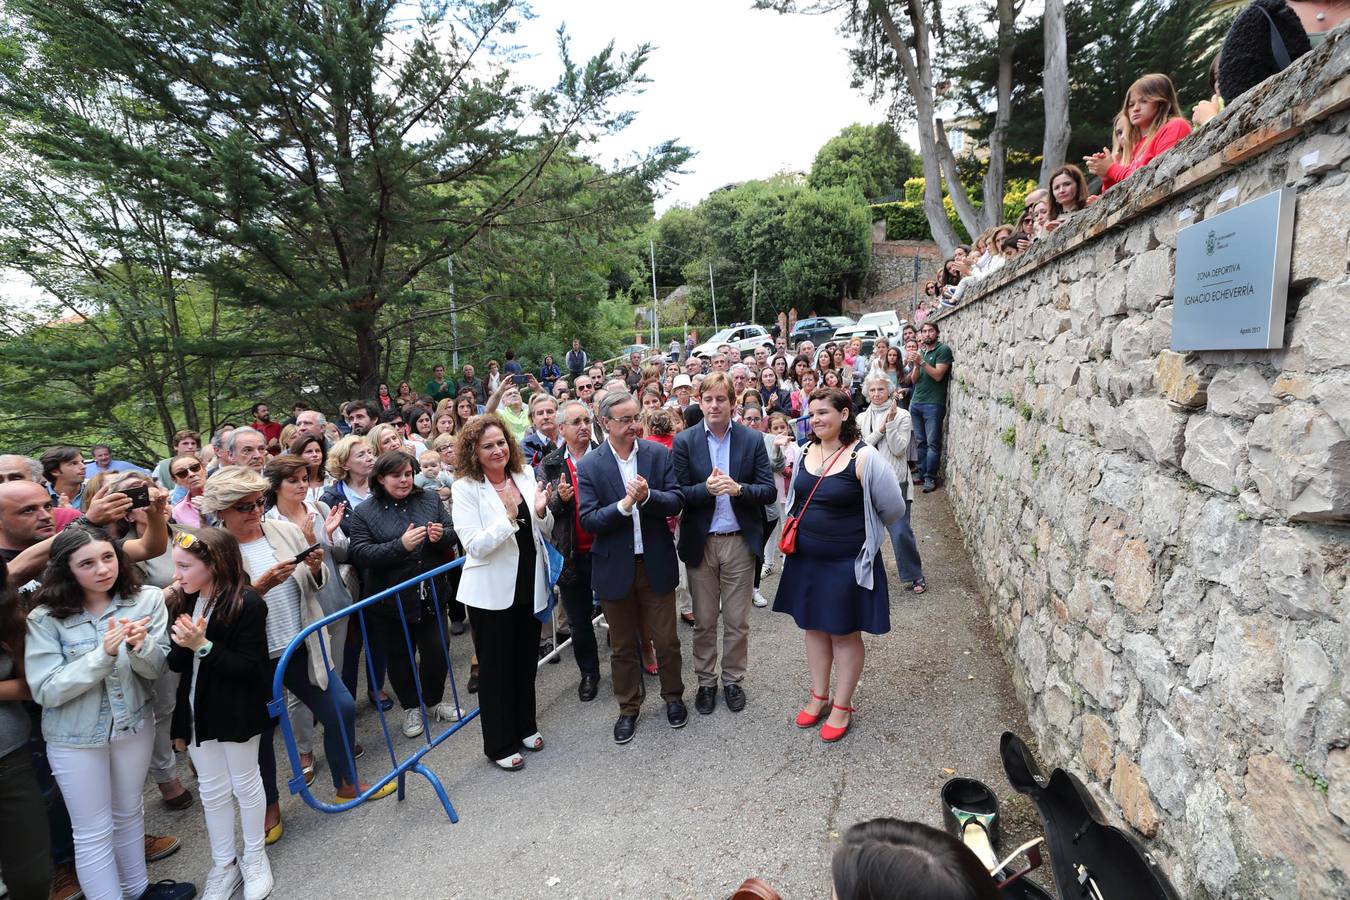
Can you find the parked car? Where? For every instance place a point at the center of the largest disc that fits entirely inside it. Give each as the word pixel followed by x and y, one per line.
pixel 818 328
pixel 868 333
pixel 888 322
pixel 742 337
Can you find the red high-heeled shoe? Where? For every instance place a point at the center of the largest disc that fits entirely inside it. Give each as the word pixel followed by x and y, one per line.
pixel 830 734
pixel 805 719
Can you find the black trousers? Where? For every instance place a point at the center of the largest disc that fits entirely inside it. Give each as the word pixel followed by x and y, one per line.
pixel 426 634
pixel 25 850
pixel 579 600
pixel 507 643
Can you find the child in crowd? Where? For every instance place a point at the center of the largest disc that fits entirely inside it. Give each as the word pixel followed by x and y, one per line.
pixel 1156 122
pixel 220 644
pixel 433 476
pixel 96 643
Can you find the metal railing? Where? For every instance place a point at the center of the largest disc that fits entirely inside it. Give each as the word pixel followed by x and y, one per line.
pixel 413 761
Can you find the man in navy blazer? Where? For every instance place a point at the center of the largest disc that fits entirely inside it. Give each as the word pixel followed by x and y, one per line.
pixel 625 494
pixel 724 475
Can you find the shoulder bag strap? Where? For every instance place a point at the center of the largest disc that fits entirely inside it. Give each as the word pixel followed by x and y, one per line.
pixel 825 470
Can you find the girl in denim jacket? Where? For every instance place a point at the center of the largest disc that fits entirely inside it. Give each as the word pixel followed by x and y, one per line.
pixel 96 643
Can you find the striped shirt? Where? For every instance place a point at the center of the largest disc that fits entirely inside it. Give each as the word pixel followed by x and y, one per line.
pixel 283 601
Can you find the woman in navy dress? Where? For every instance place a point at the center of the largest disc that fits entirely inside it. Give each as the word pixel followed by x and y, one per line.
pixel 827 584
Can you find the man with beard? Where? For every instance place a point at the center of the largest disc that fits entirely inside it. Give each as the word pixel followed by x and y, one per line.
pixel 263 424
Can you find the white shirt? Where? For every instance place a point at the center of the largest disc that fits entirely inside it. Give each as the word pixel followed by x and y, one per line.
pixel 628 471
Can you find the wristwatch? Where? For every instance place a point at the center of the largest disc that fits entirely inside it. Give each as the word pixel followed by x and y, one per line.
pixel 203 650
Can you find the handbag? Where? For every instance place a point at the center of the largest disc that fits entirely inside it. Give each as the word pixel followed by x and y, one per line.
pixel 787 541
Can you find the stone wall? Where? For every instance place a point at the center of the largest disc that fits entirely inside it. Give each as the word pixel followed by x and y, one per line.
pixel 1163 538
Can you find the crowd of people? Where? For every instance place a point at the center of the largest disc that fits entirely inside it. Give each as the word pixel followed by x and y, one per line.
pixel 1149 124
pixel 146 606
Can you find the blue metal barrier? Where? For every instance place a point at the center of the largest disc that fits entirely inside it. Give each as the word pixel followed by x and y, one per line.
pixel 400 768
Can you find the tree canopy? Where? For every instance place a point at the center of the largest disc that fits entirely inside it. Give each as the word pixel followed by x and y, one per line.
pixel 281 192
pixel 872 158
pixel 784 242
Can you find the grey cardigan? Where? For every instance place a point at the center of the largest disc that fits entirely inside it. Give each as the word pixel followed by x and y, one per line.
pixel 882 504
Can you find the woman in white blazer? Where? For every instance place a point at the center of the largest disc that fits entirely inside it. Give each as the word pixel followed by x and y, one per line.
pixel 499 511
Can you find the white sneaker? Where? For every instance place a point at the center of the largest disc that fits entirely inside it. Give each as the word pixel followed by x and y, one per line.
pixel 448 712
pixel 222 882
pixel 766 571
pixel 760 600
pixel 412 722
pixel 257 875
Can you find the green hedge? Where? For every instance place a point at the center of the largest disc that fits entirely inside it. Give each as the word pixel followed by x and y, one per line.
pixel 906 220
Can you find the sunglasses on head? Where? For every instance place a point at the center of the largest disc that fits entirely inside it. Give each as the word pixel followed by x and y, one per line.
pixel 191 468
pixel 184 540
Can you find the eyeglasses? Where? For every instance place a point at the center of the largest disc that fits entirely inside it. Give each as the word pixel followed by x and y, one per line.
pixel 191 469
pixel 752 419
pixel 584 387
pixel 625 420
pixel 260 503
pixel 577 423
pixel 184 540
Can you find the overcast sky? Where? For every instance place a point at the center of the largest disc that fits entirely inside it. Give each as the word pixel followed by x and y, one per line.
pixel 752 93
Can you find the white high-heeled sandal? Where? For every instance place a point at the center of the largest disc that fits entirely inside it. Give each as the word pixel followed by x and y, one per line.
pixel 534 743
pixel 513 763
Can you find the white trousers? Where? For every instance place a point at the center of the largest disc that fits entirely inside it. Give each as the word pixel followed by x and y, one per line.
pixel 102 789
pixel 223 770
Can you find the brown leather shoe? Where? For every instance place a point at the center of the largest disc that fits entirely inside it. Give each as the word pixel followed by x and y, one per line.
pixel 159 846
pixel 178 801
pixel 65 886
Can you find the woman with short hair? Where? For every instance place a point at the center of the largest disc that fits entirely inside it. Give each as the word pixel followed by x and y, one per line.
pixel 350 463
pixel 395 537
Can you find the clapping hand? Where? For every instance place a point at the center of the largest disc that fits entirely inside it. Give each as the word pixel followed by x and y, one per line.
pixel 414 536
pixel 188 632
pixel 114 636
pixel 720 483
pixel 1098 162
pixel 135 632
pixel 334 520
pixel 435 531
pixel 543 492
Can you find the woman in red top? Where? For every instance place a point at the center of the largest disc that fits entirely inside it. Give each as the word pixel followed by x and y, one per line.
pixel 1154 113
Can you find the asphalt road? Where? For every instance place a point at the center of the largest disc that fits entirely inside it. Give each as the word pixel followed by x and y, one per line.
pixel 680 814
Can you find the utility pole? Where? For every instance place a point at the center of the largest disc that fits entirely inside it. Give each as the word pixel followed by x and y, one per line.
pixel 454 315
pixel 754 294
pixel 914 312
pixel 656 310
pixel 712 289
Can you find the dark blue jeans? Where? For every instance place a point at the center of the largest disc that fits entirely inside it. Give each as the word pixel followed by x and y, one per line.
pixel 906 548
pixel 330 706
pixel 927 421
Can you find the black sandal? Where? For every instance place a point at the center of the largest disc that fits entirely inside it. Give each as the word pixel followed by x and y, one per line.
pixel 920 587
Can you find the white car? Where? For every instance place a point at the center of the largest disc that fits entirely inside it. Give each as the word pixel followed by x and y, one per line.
pixel 741 337
pixel 888 322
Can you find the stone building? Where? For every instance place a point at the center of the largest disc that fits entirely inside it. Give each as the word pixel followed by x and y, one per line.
pixel 1164 538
